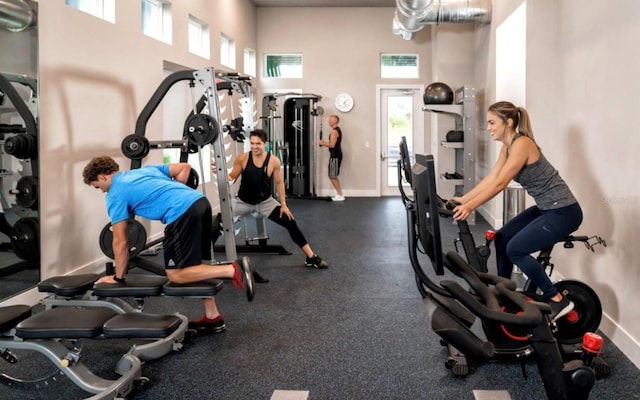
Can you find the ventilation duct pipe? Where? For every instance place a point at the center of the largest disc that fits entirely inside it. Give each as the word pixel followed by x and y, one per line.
pixel 16 15
pixel 413 15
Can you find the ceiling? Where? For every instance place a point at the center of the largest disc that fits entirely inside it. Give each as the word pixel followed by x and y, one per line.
pixel 324 3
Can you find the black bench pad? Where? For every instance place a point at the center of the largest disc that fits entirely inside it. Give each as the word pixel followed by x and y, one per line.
pixel 207 288
pixel 10 316
pixel 68 285
pixel 141 325
pixel 135 285
pixel 65 322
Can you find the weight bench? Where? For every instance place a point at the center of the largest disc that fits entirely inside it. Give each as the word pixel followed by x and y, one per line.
pixel 255 244
pixel 81 291
pixel 45 331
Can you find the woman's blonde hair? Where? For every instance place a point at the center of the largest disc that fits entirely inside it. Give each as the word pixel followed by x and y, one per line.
pixel 520 117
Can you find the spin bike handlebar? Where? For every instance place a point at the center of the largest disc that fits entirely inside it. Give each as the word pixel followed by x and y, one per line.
pixel 490 310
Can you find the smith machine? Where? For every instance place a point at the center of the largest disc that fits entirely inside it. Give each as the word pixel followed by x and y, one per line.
pixel 202 127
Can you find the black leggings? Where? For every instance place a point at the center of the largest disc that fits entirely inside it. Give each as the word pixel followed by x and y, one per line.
pixel 290 225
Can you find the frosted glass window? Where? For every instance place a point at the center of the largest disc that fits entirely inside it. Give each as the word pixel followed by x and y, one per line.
pixel 199 37
pixel 156 19
pixel 104 9
pixel 283 66
pixel 227 51
pixel 399 66
pixel 250 62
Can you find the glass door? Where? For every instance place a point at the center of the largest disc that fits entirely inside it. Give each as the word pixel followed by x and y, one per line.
pixel 401 115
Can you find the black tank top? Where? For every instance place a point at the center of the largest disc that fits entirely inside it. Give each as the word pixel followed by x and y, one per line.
pixel 255 186
pixel 336 151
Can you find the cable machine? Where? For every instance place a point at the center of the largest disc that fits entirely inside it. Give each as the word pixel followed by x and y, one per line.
pixel 293 137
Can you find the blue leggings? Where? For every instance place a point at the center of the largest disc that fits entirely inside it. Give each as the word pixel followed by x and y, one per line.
pixel 531 231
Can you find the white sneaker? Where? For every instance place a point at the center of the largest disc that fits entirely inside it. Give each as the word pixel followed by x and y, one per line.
pixel 337 198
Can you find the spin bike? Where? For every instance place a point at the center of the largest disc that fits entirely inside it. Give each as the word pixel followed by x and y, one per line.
pixel 456 311
pixel 587 312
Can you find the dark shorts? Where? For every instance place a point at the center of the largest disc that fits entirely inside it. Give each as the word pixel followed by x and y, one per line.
pixel 334 166
pixel 187 240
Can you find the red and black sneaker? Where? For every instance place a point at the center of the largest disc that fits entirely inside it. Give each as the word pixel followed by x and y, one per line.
pixel 243 277
pixel 215 325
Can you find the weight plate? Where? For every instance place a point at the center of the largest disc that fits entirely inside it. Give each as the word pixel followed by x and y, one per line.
pixel 194 179
pixel 136 234
pixel 25 239
pixel 135 147
pixel 27 195
pixel 21 146
pixel 201 129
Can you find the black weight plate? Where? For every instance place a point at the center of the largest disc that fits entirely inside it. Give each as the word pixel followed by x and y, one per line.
pixel 136 234
pixel 201 129
pixel 194 179
pixel 27 189
pixel 135 147
pixel 25 239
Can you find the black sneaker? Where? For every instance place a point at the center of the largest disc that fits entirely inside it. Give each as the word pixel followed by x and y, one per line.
pixel 216 228
pixel 215 325
pixel 316 262
pixel 560 309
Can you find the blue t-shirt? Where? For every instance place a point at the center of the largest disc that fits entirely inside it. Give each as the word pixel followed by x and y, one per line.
pixel 148 192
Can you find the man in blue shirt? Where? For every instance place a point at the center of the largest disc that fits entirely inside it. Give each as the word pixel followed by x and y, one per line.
pixel 158 192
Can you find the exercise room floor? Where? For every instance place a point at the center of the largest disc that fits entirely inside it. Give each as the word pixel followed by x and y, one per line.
pixel 359 330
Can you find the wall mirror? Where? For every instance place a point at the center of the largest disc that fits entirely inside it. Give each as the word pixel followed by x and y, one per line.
pixel 19 138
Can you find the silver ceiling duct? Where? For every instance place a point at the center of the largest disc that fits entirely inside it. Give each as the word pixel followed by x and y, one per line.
pixel 413 15
pixel 16 15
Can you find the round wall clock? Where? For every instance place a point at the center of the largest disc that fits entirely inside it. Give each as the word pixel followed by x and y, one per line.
pixel 344 102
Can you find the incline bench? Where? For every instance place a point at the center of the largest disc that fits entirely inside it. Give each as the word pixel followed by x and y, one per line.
pixel 46 331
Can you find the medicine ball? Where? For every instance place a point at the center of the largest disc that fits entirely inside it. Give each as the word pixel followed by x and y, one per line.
pixel 455 136
pixel 438 93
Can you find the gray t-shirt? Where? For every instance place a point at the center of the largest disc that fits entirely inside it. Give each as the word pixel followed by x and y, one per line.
pixel 543 182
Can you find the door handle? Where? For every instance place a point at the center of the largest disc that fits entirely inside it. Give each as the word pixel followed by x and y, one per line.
pixel 383 156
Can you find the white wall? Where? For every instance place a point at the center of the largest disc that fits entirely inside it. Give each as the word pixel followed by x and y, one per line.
pixel 341 49
pixel 595 147
pixel 95 78
pixel 581 93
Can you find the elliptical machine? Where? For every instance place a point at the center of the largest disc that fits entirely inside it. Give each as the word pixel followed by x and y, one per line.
pixel 490 299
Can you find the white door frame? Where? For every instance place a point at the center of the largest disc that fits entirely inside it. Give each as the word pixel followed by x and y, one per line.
pixel 418 139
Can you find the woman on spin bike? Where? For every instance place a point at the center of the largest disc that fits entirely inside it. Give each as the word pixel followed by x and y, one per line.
pixel 555 215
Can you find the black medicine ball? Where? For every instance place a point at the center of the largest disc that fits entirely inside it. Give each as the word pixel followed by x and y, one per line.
pixel 438 93
pixel 455 136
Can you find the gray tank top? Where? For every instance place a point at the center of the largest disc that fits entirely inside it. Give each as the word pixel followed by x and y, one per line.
pixel 543 182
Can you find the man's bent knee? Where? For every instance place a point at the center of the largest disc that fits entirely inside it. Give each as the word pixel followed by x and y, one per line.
pixel 176 276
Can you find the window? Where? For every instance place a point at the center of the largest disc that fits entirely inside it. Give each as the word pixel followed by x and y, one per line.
pixel 227 51
pixel 283 66
pixel 198 37
pixel 105 9
pixel 156 19
pixel 399 66
pixel 249 61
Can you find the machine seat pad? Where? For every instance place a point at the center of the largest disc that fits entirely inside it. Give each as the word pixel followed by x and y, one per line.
pixel 68 285
pixel 135 285
pixel 11 315
pixel 141 325
pixel 65 323
pixel 207 288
